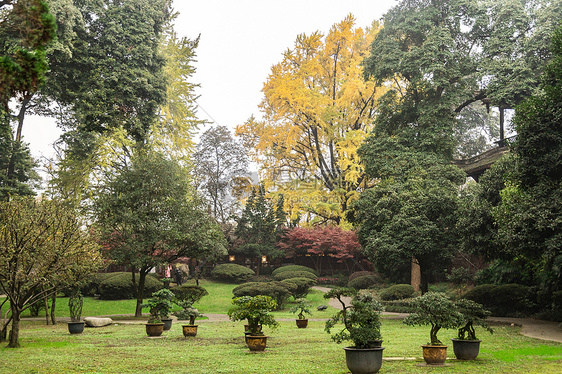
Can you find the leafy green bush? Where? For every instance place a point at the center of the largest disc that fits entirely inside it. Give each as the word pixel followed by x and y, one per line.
pixel 397 292
pixel 506 300
pixel 363 282
pixel 120 287
pixel 302 286
pixel 92 283
pixel 358 274
pixel 279 291
pixel 293 268
pixel 294 274
pixel 232 273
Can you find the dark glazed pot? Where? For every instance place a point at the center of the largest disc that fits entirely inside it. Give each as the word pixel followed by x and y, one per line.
pixel 466 349
pixel 167 323
pixel 363 361
pixel 302 323
pixel 76 327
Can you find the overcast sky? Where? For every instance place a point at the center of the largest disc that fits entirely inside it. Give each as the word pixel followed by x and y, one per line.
pixel 240 41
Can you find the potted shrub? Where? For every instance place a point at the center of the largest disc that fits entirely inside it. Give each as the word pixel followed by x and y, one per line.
pixel 467 346
pixel 436 310
pixel 361 325
pixel 160 307
pixel 75 303
pixel 185 296
pixel 257 311
pixel 302 307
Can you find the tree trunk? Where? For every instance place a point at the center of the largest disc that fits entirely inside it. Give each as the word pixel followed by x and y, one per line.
pixel 46 302
pixel 140 292
pixel 15 332
pixel 53 304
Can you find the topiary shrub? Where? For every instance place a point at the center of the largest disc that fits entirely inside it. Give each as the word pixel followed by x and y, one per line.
pixel 279 291
pixel 294 274
pixel 294 268
pixel 92 283
pixel 302 286
pixel 361 283
pixel 397 292
pixel 120 287
pixel 358 274
pixel 232 273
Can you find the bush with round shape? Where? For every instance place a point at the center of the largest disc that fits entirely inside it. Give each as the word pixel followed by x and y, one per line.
pixel 232 273
pixel 358 274
pixel 302 286
pixel 294 268
pixel 92 283
pixel 279 291
pixel 185 296
pixel 294 274
pixel 364 282
pixel 120 287
pixel 397 292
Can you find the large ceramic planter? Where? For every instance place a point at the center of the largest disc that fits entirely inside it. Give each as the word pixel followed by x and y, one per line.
pixel 189 330
pixel 76 327
pixel 154 329
pixel 363 361
pixel 302 323
pixel 256 343
pixel 434 354
pixel 466 349
pixel 167 323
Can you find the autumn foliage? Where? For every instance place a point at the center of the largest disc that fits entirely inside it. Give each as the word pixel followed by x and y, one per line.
pixel 317 109
pixel 318 242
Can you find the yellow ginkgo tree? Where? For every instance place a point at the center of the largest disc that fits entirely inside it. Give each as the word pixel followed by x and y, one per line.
pixel 317 109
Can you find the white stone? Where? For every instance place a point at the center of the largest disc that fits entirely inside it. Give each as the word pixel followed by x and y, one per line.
pixel 97 321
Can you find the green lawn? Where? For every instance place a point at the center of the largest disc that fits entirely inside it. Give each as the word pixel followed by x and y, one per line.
pixel 219 348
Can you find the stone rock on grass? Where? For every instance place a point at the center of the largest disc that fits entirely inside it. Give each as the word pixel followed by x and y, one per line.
pixel 97 322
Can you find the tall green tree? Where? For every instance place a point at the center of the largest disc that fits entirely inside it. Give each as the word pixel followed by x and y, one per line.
pixel 260 226
pixel 441 56
pixel 43 246
pixel 26 28
pixel 411 219
pixel 529 217
pixel 148 216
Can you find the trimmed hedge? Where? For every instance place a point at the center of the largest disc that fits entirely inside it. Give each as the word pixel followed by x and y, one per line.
pixel 92 283
pixel 294 274
pixel 363 282
pixel 397 292
pixel 189 293
pixel 120 287
pixel 285 268
pixel 303 286
pixel 280 291
pixel 358 274
pixel 506 300
pixel 232 273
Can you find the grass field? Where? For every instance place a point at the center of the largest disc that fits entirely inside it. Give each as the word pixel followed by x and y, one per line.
pixel 219 347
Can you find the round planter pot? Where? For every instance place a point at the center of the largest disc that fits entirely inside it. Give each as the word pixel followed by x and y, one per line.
pixel 154 329
pixel 363 361
pixel 75 327
pixel 434 354
pixel 256 343
pixel 466 349
pixel 167 323
pixel 189 330
pixel 302 323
